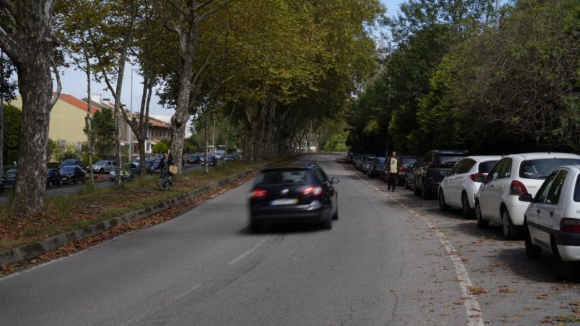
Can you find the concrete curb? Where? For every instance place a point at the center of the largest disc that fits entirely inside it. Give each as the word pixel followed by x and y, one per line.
pixel 30 251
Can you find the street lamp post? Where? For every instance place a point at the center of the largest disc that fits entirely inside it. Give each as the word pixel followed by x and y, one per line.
pixel 130 119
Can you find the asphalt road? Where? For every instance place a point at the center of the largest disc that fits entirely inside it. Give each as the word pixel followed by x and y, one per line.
pixel 390 259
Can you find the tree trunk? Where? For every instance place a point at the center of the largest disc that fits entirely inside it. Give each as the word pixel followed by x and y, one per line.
pixel 33 80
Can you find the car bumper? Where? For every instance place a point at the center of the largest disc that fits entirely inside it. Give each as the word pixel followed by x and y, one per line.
pixel 568 245
pixel 313 213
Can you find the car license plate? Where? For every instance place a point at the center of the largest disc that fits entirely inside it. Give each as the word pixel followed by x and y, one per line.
pixel 284 201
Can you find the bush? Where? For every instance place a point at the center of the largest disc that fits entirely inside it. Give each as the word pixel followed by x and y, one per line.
pixel 85 159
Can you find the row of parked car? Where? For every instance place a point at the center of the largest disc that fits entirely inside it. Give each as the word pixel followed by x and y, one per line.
pixel 534 195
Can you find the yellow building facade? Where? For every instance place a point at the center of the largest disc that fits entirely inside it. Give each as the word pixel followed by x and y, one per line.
pixel 67 119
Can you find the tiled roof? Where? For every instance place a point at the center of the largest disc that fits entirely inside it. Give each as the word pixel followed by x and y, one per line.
pixel 77 103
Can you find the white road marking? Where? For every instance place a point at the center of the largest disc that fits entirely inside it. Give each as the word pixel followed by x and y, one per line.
pixel 240 257
pixel 473 310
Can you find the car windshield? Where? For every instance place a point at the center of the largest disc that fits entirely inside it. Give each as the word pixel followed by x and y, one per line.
pixel 279 177
pixel 409 161
pixel 11 174
pixel 541 168
pixel 68 169
pixel 101 163
pixel 484 167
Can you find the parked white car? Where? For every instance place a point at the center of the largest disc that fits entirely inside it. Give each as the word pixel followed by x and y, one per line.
pixel 460 186
pixel 552 221
pixel 514 175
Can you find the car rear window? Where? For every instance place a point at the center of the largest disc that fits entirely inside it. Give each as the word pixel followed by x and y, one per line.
pixel 577 190
pixel 541 168
pixel 448 160
pixel 484 167
pixel 282 177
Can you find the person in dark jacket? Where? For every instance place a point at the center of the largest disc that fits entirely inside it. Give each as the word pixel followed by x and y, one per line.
pixel 165 178
pixel 393 168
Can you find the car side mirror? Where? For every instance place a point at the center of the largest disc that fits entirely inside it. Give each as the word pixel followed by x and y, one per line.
pixel 526 198
pixel 334 180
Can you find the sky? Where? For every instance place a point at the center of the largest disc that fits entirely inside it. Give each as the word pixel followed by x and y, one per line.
pixel 74 82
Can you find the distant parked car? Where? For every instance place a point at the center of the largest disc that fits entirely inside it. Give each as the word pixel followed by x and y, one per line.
pixel 552 223
pixel 211 161
pixel 230 158
pixel 53 178
pixel 69 162
pixel 366 165
pixel 104 166
pixel 9 179
pixel 410 174
pixel 460 186
pixel 128 172
pixel 406 163
pixel 73 174
pixel 436 165
pixel 377 166
pixel 193 159
pixel 154 168
pixel 514 175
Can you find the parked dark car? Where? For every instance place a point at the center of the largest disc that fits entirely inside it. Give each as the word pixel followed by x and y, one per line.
pixel 407 162
pixel 293 193
pixel 410 174
pixel 53 178
pixel 73 174
pixel 193 159
pixel 366 165
pixel 69 162
pixel 9 179
pixel 154 168
pixel 436 165
pixel 377 165
pixel 211 161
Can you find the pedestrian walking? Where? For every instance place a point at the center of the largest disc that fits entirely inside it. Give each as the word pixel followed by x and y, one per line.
pixel 165 178
pixel 393 166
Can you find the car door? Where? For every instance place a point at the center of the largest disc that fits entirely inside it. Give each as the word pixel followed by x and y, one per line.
pixel 536 214
pixel 451 183
pixel 499 188
pixel 486 195
pixel 460 180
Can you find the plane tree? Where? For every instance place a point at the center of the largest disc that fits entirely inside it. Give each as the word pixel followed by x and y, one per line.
pixel 29 41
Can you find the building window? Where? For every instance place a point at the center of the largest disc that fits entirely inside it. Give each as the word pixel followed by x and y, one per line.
pixel 79 146
pixel 63 143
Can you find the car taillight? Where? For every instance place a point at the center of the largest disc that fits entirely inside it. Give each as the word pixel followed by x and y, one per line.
pixel 477 176
pixel 315 191
pixel 434 165
pixel 517 188
pixel 258 193
pixel 570 225
pixel 402 169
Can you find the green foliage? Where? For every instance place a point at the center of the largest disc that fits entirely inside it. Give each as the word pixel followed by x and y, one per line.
pixel 94 158
pixel 102 132
pixel 12 126
pixel 160 147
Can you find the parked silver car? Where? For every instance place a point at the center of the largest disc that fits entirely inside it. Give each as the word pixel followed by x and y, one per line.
pixel 103 166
